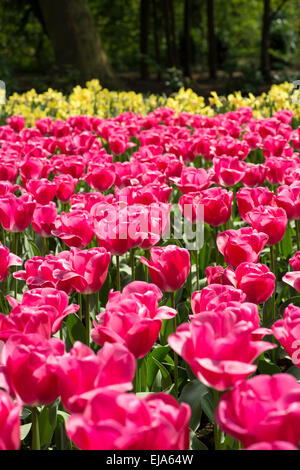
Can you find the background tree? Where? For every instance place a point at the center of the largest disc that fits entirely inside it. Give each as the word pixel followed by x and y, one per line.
pixel 75 39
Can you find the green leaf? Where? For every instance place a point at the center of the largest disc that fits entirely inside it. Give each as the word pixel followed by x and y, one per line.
pixel 47 424
pixel 25 429
pixel 75 328
pixel 158 353
pixel 295 371
pixel 286 243
pixel 166 377
pixel 207 403
pixel 265 366
pixel 195 443
pixel 191 394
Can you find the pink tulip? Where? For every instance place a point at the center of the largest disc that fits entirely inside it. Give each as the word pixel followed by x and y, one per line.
pixel 288 197
pixel 7 259
pixel 216 203
pixel 192 180
pixel 241 245
pixel 295 261
pixel 228 170
pixel 101 177
pixel 74 228
pixel 218 347
pixel 10 423
pixel 27 365
pixel 54 300
pixel 82 373
pixel 132 318
pixel 256 281
pixel 248 199
pixel 213 295
pixel 269 220
pixel 219 275
pixel 169 267
pixel 254 175
pixel 43 219
pixel 16 212
pixel 263 408
pixel 65 185
pixel 114 421
pixel 287 332
pixel 87 269
pixel 42 190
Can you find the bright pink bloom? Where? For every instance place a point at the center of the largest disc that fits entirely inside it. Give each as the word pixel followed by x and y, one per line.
pixel 254 175
pixel 43 219
pixel 65 185
pixel 74 228
pixel 216 204
pixel 169 267
pixel 269 220
pixel 87 269
pixel 192 180
pixel 132 318
pixel 219 347
pixel 114 421
pixel 101 177
pixel 17 123
pixel 287 332
pixel 295 261
pixel 53 302
pixel 276 445
pixel 10 423
pixel 16 212
pixel 219 275
pixel 228 170
pixel 241 245
pixel 213 295
pixel 248 199
pixel 27 367
pixel 288 197
pixel 293 279
pixel 42 190
pixel 118 229
pixel 7 259
pixel 256 281
pixel 263 408
pixel 82 373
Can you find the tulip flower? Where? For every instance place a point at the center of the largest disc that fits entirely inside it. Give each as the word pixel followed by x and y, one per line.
pixel 74 228
pixel 132 318
pixel 263 408
pixel 219 348
pixel 241 245
pixel 269 220
pixel 114 421
pixel 10 423
pixel 256 281
pixel 16 212
pixel 43 219
pixel 7 259
pixel 287 332
pixel 83 373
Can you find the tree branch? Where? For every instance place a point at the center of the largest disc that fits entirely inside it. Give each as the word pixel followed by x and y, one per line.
pixel 274 14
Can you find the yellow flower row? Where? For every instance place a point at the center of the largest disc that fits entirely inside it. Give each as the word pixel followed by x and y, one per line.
pixel 93 100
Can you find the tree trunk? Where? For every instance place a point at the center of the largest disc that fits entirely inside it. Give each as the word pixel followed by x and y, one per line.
pixel 187 38
pixel 212 56
pixel 144 32
pixel 156 38
pixel 173 32
pixel 166 14
pixel 265 42
pixel 75 40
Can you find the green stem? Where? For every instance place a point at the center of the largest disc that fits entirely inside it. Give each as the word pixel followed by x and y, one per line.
pixel 175 354
pixel 297 226
pixel 217 431
pixel 118 279
pixel 87 319
pixel 217 250
pixel 197 269
pixel 132 264
pixel 273 269
pixel 36 444
pixel 45 246
pixel 16 253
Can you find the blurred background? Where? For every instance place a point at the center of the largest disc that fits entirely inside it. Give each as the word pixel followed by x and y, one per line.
pixel 149 45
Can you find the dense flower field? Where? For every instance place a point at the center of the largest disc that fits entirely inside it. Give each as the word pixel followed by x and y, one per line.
pixel 116 332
